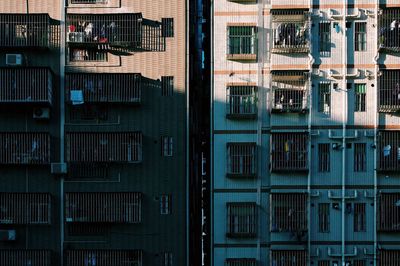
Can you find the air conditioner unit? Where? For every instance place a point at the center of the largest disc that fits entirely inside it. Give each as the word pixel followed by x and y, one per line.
pixel 41 113
pixel 59 168
pixel 13 59
pixel 7 235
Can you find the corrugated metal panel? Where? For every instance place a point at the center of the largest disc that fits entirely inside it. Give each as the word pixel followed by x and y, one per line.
pixel 288 257
pixel 288 212
pixel 389 212
pixel 17 257
pixel 25 208
pixel 103 257
pixel 103 207
pixel 24 148
pixel 289 152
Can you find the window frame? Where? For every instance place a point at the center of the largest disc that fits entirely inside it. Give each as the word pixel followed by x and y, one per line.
pixel 247 43
pixel 167 146
pixel 360 98
pixel 324 157
pixel 360 157
pixel 324 98
pixel 359 217
pixel 325 41
pixel 324 213
pixel 360 36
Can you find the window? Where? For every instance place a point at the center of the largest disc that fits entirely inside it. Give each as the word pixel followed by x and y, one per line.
pixel 325 38
pixel 241 262
pixel 241 219
pixel 289 212
pixel 167 146
pixel 360 95
pixel 357 263
pixel 360 38
pixel 166 259
pixel 167 85
pixel 324 99
pixel 323 217
pixel 78 54
pixel 289 151
pixel 324 157
pixel 359 217
pixel 324 263
pixel 167 26
pixel 241 159
pixel 241 100
pixel 165 204
pixel 360 160
pixel 242 40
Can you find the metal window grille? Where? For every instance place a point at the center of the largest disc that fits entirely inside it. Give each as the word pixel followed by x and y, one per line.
pixel 324 98
pixel 167 26
pixel 24 148
pixel 324 217
pixel 325 38
pixel 324 263
pixel 242 40
pixel 389 150
pixel 289 152
pixel 25 208
pixel 88 1
pixel 289 257
pixel 241 101
pixel 167 259
pixel 109 257
pixel 167 85
pixel 87 54
pixel 389 257
pixel 165 204
pixel 289 89
pixel 360 97
pixel 125 147
pixel 88 170
pixel 241 159
pixel 103 207
pixel 359 217
pixel 26 85
pixel 389 212
pixel 360 157
pixel 242 219
pixel 24 30
pixel 324 157
pixel 105 87
pixel 389 29
pixel 389 91
pixel 20 257
pixel 289 212
pixel 360 36
pixel 167 146
pixel 358 263
pixel 241 262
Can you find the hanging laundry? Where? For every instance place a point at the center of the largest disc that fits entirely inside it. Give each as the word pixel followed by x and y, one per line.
pixel 76 97
pixel 34 145
pixel 393 25
pixel 386 150
pixel 89 29
pixel 398 153
pixel 397 203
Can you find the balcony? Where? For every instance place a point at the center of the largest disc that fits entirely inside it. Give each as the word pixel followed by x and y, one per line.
pixel 389 257
pixel 241 102
pixel 242 42
pixel 241 262
pixel 290 31
pixel 389 212
pixel 289 152
pixel 114 31
pixel 242 161
pixel 103 88
pixel 289 257
pixel 24 30
pixel 109 257
pixel 106 147
pixel 242 219
pixel 103 207
pixel 24 148
pixel 290 92
pixel 25 208
pixel 22 257
pixel 389 151
pixel 289 212
pixel 389 91
pixel 389 30
pixel 28 85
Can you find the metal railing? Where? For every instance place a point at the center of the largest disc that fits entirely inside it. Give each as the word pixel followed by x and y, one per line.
pixel 39 257
pixel 289 152
pixel 389 151
pixel 289 257
pixel 79 257
pixel 241 102
pixel 389 29
pixel 389 90
pixel 241 160
pixel 289 212
pixel 389 212
pixel 242 219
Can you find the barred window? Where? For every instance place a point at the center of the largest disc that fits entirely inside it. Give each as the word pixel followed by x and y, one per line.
pixel 167 85
pixel 166 259
pixel 289 257
pixel 241 219
pixel 359 217
pixel 241 262
pixel 167 146
pixel 389 29
pixel 360 157
pixel 323 217
pixel 360 36
pixel 324 263
pixel 324 157
pixel 167 26
pixel 289 152
pixel 241 100
pixel 165 204
pixel 241 159
pixel 324 98
pixel 360 97
pixel 87 54
pixel 358 263
pixel 325 38
pixel 242 40
pixel 288 212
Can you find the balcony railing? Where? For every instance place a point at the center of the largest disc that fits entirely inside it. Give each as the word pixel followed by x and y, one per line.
pixel 103 88
pixel 242 160
pixel 389 212
pixel 389 257
pixel 106 257
pixel 129 31
pixel 289 152
pixel 290 31
pixel 25 208
pixel 22 257
pixel 289 212
pixel 289 91
pixel 389 90
pixel 242 219
pixel 24 148
pixel 241 102
pixel 289 257
pixel 103 207
pixel 389 30
pixel 24 30
pixel 389 151
pixel 118 147
pixel 26 85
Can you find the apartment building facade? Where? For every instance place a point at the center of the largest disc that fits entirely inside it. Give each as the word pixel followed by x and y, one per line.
pixel 305 129
pixel 93 132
